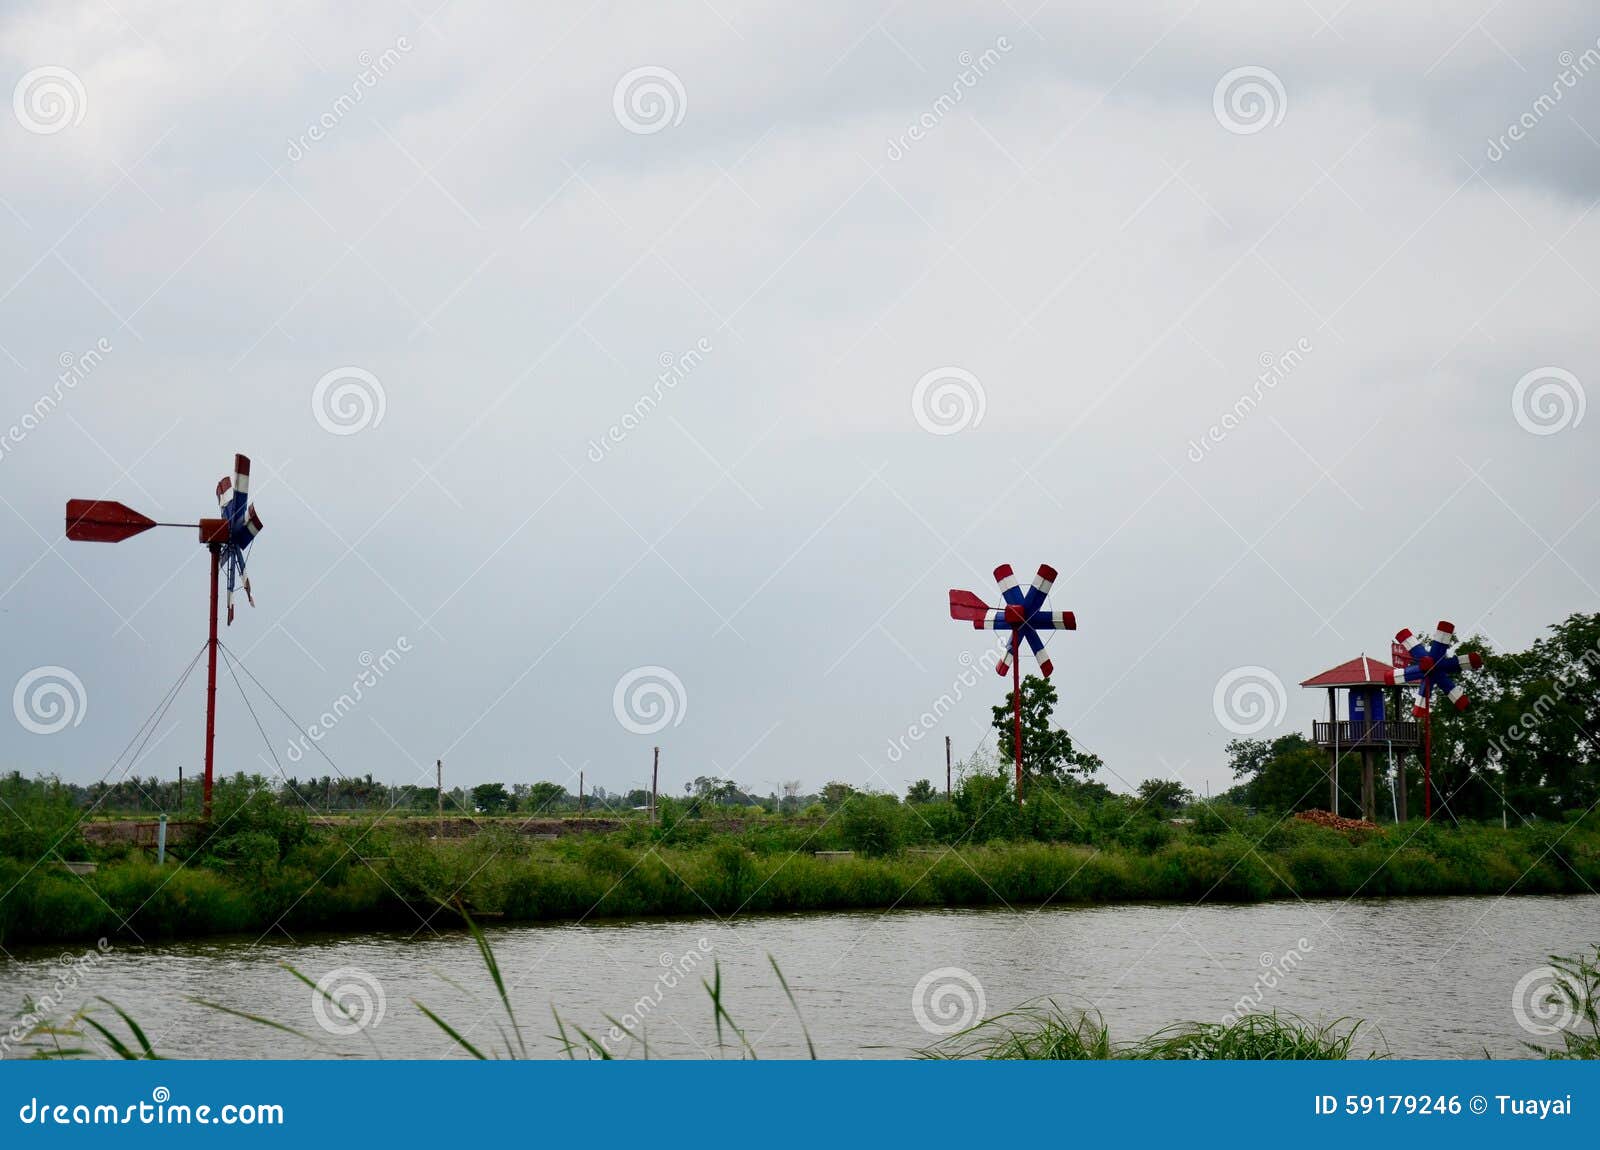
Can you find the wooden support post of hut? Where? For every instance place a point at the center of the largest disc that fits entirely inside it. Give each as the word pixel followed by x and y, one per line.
pixel 1365 730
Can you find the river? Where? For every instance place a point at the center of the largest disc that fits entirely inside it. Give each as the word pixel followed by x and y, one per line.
pixel 1432 977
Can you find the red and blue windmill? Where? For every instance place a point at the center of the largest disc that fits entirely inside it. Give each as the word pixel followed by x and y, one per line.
pixel 233 497
pixel 1432 664
pixel 1022 618
pixel 227 538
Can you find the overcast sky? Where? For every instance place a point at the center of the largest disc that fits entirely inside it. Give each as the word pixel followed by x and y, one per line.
pixel 944 286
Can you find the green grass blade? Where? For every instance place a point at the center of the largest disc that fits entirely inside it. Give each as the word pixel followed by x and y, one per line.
pixel 811 1049
pixel 451 1031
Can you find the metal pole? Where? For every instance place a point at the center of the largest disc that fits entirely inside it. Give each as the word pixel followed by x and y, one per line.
pixel 211 686
pixel 655 776
pixel 438 770
pixel 580 794
pixel 1427 753
pixel 1016 706
pixel 180 788
pixel 947 768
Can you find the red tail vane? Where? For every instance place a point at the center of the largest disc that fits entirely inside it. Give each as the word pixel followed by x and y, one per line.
pixel 102 521
pixel 966 606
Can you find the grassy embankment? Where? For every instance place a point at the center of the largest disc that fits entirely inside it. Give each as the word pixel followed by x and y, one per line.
pixel 265 865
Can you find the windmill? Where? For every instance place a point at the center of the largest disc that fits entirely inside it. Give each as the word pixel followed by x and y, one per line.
pixel 1432 663
pixel 1022 618
pixel 227 538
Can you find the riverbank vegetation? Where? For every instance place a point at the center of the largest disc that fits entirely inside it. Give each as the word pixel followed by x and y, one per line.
pixel 263 865
pixel 1518 778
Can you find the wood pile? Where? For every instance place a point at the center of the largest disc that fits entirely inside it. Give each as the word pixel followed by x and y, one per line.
pixel 1335 822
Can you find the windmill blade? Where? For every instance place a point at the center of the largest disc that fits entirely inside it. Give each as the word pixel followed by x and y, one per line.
pixel 1415 645
pixel 993 621
pixel 1007 579
pixel 1034 597
pixel 1400 676
pixel 241 490
pixel 967 606
pixel 248 531
pixel 1032 636
pixel 1455 664
pixel 1418 705
pixel 1053 621
pixel 1453 690
pixel 1003 667
pixel 1441 639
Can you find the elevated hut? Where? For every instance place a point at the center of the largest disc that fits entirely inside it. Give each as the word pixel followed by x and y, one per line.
pixel 1365 729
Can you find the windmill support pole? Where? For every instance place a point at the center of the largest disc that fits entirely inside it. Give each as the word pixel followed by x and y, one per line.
pixel 1400 787
pixel 1016 706
pixel 211 687
pixel 1427 754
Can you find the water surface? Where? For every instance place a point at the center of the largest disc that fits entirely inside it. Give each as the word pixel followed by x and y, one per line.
pixel 1432 977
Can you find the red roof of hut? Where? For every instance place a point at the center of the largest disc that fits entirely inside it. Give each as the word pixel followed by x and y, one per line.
pixel 1361 671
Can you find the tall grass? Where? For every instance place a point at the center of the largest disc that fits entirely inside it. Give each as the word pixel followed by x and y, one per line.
pixel 364 878
pixel 1047 1031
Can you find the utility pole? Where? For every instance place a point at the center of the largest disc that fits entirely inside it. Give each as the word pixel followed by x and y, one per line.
pixel 947 768
pixel 438 768
pixel 655 778
pixel 580 794
pixel 180 788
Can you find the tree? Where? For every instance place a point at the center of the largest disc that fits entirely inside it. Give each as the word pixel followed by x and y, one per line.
pixel 834 795
pixel 490 798
pixel 1288 773
pixel 1165 794
pixel 1047 750
pixel 546 798
pixel 921 791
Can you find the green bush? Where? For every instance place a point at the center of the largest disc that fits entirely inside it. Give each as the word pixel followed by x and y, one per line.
pixel 872 825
